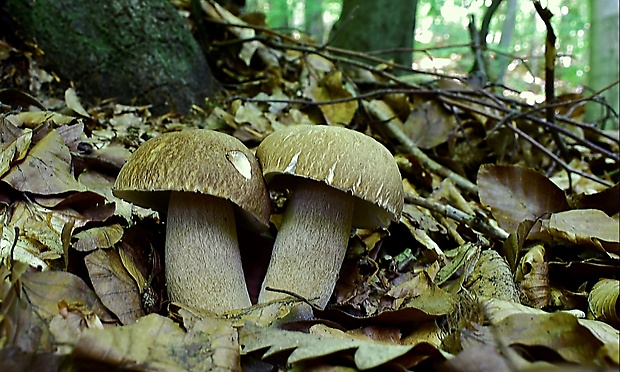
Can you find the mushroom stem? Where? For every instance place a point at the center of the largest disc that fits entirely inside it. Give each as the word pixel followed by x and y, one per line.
pixel 311 244
pixel 203 264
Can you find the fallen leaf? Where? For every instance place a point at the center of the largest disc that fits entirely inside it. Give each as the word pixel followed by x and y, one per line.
pixel 323 341
pixel 331 88
pixel 429 125
pixel 516 194
pixel 13 151
pixel 98 237
pixel 603 301
pixel 45 170
pixel 157 343
pixel 586 227
pixel 73 102
pixel 116 288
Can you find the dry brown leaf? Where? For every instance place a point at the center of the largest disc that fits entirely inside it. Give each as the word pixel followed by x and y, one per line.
pixel 323 341
pixel 73 102
pixel 20 325
pixel 429 125
pixel 603 301
pixel 533 274
pixel 559 332
pixel 498 312
pixel 45 170
pixel 14 150
pixel 586 227
pixel 516 194
pixel 116 288
pixel 98 237
pixel 157 343
pixel 331 88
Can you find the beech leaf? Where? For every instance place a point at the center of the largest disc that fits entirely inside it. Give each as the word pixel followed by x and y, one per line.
pixel 157 343
pixel 319 343
pixel 516 194
pixel 46 170
pixel 116 288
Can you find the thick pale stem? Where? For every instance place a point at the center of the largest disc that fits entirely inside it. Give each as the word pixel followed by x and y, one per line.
pixel 311 244
pixel 203 264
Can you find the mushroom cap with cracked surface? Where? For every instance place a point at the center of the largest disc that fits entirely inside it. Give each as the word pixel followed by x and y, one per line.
pixel 342 158
pixel 199 161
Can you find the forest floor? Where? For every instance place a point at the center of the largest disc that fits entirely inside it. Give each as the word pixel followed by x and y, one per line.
pixel 505 257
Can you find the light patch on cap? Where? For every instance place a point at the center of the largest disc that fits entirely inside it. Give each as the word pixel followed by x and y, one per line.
pixel 240 162
pixel 330 175
pixel 292 165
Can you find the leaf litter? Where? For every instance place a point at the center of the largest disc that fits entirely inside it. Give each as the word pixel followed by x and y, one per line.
pixel 501 258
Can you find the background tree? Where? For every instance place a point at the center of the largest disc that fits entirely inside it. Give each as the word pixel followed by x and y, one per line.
pixel 373 25
pixel 603 58
pixel 137 51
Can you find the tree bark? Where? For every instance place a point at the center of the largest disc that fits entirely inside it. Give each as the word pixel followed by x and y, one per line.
pixel 371 25
pixel 603 59
pixel 138 51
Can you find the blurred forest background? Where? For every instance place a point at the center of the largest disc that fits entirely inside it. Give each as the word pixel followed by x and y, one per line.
pixel 515 39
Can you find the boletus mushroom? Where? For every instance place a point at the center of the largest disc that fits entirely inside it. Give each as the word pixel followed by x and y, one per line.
pixel 337 178
pixel 200 178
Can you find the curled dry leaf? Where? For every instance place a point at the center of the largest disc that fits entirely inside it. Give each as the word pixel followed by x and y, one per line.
pixel 558 332
pixel 540 328
pixel 603 303
pixel 516 194
pixel 534 277
pixel 116 288
pixel 586 227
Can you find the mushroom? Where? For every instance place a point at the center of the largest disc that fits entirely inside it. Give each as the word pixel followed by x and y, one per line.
pixel 338 178
pixel 200 177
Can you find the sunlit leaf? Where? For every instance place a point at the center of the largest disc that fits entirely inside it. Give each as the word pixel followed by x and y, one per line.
pixel 73 102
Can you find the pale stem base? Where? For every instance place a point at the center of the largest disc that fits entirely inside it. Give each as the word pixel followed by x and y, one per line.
pixel 203 263
pixel 310 245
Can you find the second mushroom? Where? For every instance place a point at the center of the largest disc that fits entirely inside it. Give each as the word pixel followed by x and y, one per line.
pixel 337 178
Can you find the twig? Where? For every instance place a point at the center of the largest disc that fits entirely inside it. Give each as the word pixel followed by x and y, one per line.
pixel 392 124
pixel 458 215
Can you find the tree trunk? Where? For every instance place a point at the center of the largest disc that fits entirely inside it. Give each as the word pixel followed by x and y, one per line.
pixel 138 50
pixel 313 19
pixel 371 25
pixel 603 58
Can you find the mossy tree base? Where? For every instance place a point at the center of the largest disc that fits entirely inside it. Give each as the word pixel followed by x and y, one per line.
pixel 139 51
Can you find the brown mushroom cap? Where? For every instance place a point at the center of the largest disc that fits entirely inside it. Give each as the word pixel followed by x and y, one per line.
pixel 347 160
pixel 200 161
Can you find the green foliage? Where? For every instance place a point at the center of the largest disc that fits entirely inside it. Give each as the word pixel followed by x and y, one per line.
pixel 441 32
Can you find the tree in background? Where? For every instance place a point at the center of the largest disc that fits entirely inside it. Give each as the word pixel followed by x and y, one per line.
pixel 603 58
pixel 373 25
